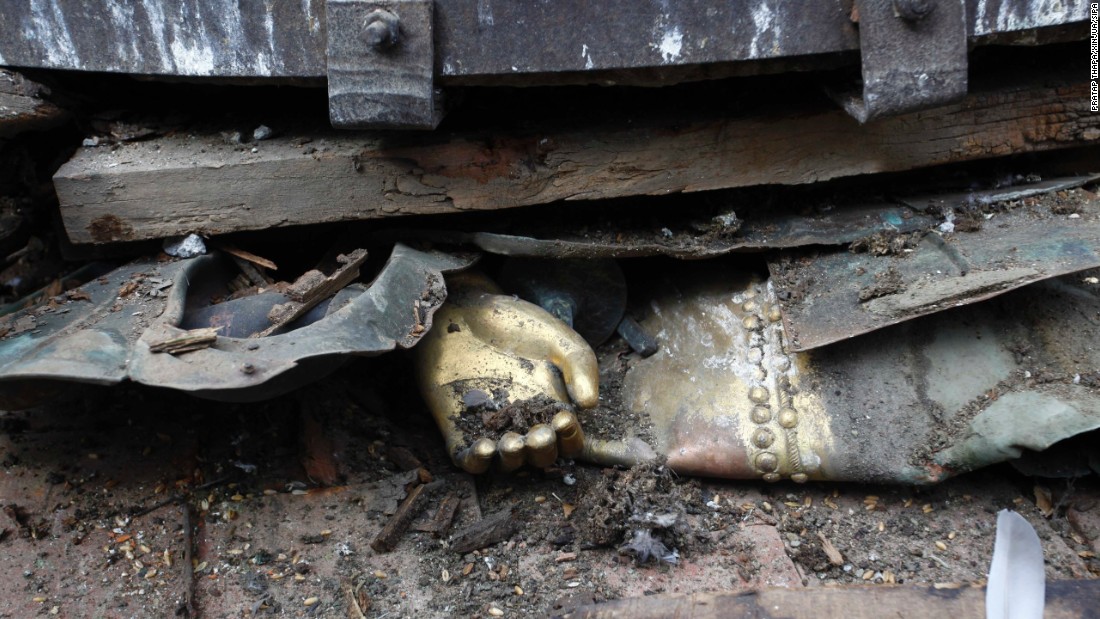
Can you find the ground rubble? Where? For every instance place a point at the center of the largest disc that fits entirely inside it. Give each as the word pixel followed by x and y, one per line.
pixel 98 495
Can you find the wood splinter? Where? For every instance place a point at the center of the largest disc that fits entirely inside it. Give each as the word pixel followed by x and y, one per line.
pixel 390 535
pixel 312 288
pixel 485 532
pixel 444 516
pixel 194 339
pixel 830 550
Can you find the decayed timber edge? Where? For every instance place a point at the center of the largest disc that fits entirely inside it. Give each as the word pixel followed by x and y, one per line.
pixel 201 183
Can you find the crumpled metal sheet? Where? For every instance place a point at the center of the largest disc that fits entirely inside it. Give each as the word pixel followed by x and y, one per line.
pixel 105 339
pixel 754 226
pixel 938 202
pixel 830 297
pixel 687 237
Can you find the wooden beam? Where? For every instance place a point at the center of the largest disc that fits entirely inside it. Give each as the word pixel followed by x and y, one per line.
pixel 22 107
pixel 1064 599
pixel 184 183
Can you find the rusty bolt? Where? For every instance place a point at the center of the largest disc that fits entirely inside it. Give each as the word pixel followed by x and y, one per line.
pixel 914 10
pixel 382 30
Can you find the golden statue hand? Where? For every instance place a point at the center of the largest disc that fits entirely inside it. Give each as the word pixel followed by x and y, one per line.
pixel 494 366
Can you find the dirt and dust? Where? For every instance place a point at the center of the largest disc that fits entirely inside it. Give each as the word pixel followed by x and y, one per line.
pixel 102 492
pixel 886 243
pixel 612 418
pixel 491 414
pixel 643 512
pixel 887 282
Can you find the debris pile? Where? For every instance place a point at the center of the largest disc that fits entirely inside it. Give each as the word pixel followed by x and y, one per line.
pixel 641 512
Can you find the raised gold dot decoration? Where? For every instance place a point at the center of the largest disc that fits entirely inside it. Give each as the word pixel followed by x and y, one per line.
pixel 763 438
pixel 788 418
pixel 759 394
pixel 773 313
pixel 767 462
pixel 773 443
pixel 761 414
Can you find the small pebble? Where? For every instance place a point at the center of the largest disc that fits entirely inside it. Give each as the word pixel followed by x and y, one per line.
pixel 311 601
pixel 496 612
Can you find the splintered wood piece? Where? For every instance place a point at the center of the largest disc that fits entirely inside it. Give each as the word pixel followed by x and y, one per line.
pixel 356 600
pixel 312 288
pixel 402 458
pixel 177 184
pixel 249 256
pixel 22 107
pixel 830 550
pixel 390 535
pixel 254 275
pixel 194 339
pixel 485 532
pixel 444 516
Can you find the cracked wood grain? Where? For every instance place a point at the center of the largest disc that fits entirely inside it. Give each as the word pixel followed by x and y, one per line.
pixel 179 184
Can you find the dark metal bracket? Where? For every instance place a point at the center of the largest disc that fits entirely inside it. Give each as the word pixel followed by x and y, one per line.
pixel 381 59
pixel 914 55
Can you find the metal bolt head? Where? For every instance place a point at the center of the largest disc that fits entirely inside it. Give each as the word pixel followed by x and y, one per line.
pixel 914 10
pixel 382 30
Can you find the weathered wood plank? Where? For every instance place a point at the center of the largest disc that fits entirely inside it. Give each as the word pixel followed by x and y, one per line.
pixel 22 107
pixel 181 183
pixel 1064 599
